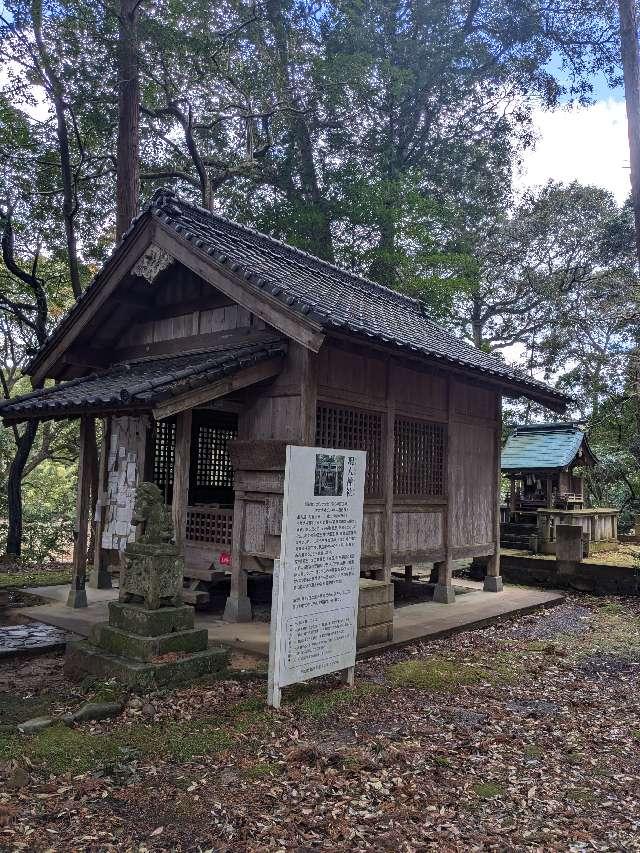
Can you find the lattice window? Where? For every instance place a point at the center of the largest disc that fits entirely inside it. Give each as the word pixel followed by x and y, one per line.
pixel 419 458
pixel 163 455
pixel 209 525
pixel 353 429
pixel 213 467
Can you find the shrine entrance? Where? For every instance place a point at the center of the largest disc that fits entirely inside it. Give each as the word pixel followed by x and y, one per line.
pixel 205 525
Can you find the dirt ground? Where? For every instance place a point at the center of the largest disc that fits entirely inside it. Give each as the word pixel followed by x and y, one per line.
pixel 522 736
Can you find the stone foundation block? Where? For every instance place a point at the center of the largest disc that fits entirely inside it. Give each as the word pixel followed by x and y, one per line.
pixel 237 609
pixel 150 623
pixel 493 583
pixel 118 642
pixel 376 614
pixel 373 635
pixel 374 592
pixel 83 658
pixel 443 594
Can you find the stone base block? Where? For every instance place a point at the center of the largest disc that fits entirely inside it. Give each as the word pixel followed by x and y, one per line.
pixel 135 619
pixel 373 635
pixel 83 659
pixel 443 594
pixel 374 592
pixel 237 609
pixel 493 583
pixel 77 598
pixel 118 642
pixel 100 577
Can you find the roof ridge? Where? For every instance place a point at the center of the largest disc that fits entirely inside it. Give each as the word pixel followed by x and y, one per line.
pixel 161 195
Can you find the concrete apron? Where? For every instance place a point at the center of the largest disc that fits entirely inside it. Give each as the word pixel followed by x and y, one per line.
pixel 425 621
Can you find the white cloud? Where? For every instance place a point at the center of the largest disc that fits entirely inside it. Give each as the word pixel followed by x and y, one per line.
pixel 580 143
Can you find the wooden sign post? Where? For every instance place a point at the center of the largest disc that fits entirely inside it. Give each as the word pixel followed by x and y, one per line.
pixel 314 610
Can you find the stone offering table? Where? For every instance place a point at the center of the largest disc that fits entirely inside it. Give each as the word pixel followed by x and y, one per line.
pixel 599 527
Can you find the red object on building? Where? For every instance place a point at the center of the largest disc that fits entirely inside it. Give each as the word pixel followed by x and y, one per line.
pixel 225 558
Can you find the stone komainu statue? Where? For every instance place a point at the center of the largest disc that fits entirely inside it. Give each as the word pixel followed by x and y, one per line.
pixel 153 570
pixel 150 512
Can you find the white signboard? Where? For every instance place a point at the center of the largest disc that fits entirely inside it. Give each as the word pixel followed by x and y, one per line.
pixel 314 610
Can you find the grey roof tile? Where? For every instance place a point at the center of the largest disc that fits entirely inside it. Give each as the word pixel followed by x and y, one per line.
pixel 140 384
pixel 333 297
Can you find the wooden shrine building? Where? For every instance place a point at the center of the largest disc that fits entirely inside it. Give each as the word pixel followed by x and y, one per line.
pixel 206 347
pixel 545 464
pixel 540 462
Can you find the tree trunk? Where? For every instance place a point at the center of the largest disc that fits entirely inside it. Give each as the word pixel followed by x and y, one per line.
pixel 127 154
pixel 53 86
pixel 631 69
pixel 14 488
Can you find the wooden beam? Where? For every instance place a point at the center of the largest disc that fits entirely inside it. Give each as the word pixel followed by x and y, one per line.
pixel 113 273
pixel 242 292
pixel 249 376
pixel 181 467
pixel 77 594
pixel 210 340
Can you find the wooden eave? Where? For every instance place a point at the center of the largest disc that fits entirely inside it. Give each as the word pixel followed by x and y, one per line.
pixel 443 367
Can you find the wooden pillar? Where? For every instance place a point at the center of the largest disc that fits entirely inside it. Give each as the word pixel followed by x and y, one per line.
pixel 408 573
pixel 512 494
pixel 238 605
pixel 100 577
pixel 549 487
pixel 77 593
pixel 389 458
pixel 443 592
pixel 493 581
pixel 181 467
pixel 309 397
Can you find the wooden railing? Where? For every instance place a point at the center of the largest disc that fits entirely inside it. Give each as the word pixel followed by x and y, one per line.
pixel 209 524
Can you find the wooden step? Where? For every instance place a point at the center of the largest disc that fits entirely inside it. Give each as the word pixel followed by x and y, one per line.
pixel 196 597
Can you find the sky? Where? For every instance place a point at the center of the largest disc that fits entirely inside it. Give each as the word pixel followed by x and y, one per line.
pixel 583 143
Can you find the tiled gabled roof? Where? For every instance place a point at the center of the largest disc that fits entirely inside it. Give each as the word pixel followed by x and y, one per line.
pixel 544 446
pixel 140 384
pixel 333 297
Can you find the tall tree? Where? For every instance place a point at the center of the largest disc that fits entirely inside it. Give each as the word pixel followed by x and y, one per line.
pixel 128 153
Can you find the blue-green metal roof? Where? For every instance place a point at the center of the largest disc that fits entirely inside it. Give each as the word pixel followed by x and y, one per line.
pixel 545 446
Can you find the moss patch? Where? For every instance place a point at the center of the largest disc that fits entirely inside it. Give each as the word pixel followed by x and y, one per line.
pixel 319 705
pixel 488 790
pixel 262 770
pixel 436 673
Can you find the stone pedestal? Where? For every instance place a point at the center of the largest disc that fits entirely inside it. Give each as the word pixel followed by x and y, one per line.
pixel 145 649
pixel 150 640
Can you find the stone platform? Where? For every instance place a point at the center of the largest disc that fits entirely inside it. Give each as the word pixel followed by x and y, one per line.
pixel 424 621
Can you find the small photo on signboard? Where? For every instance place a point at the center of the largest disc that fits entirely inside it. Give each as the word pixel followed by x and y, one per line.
pixel 329 476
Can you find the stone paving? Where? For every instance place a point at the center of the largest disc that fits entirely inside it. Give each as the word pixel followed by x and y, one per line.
pixel 32 639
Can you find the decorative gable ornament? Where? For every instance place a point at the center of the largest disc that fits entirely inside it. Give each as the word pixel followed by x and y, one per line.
pixel 154 261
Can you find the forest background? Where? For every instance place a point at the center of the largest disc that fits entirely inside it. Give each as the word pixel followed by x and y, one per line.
pixel 382 135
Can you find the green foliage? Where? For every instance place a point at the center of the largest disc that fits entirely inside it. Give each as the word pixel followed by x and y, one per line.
pixel 18 580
